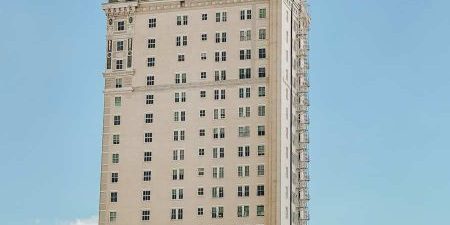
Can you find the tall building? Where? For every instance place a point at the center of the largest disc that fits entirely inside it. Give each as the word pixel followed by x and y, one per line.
pixel 205 113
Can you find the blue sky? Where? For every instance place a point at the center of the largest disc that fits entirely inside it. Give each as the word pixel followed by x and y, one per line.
pixel 379 117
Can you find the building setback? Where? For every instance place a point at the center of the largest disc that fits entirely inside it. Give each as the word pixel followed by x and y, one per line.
pixel 205 113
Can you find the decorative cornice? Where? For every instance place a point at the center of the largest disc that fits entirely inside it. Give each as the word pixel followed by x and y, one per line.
pixel 119 73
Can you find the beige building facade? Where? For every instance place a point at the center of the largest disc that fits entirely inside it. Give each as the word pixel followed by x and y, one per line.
pixel 205 113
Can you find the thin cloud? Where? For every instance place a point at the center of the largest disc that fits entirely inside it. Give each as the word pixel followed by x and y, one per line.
pixel 87 221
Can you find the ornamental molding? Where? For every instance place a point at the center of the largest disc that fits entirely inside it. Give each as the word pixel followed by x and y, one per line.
pixel 119 73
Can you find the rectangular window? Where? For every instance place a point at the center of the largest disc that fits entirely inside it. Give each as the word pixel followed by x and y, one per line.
pixel 218 172
pixel 117 101
pixel 202 75
pixel 245 73
pixel 262 53
pixel 219 94
pixel 179 116
pixel 151 43
pixel 260 190
pixel 245 35
pixel 147 156
pixel 261 91
pixel 244 112
pixel 261 130
pixel 178 154
pixel 262 72
pixel 260 171
pixel 180 58
pixel 259 210
pixel 116 139
pixel 204 16
pixel 217 192
pixel 217 212
pixel 244 131
pixel 243 171
pixel 243 211
pixel 245 54
pixel 147 175
pixel 146 215
pixel 219 133
pixel 118 82
pixel 176 214
pixel 112 216
pixel 218 152
pixel 113 196
pixel 180 78
pixel 262 34
pixel 261 150
pixel 114 177
pixel 220 75
pixel 178 174
pixel 146 195
pixel 151 62
pixel 120 25
pixel 221 17
pixel 178 135
pixel 199 211
pixel 243 191
pixel 201 152
pixel 180 96
pixel 204 37
pixel 119 46
pixel 200 171
pixel 261 110
pixel 181 40
pixel 246 14
pixel 182 20
pixel 116 120
pixel 149 99
pixel 202 113
pixel 152 23
pixel 221 37
pixel 262 13
pixel 119 64
pixel 244 92
pixel 244 151
pixel 149 118
pixel 177 194
pixel 148 137
pixel 115 158
pixel 150 80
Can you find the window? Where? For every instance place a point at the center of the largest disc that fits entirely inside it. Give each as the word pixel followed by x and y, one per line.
pixel 261 91
pixel 245 54
pixel 217 212
pixel 148 137
pixel 246 14
pixel 202 75
pixel 221 17
pixel 115 158
pixel 200 171
pixel 245 35
pixel 118 82
pixel 260 190
pixel 112 216
pixel 181 40
pixel 260 171
pixel 219 114
pixel 202 94
pixel 178 135
pixel 176 214
pixel 120 25
pixel 219 94
pixel 221 37
pixel 202 132
pixel 151 62
pixel 262 13
pixel 262 72
pixel 149 99
pixel 202 113
pixel 219 133
pixel 262 53
pixel 113 196
pixel 152 23
pixel 146 215
pixel 243 191
pixel 180 58
pixel 114 177
pixel 261 150
pixel 146 195
pixel 220 75
pixel 116 139
pixel 245 73
pixel 151 43
pixel 180 78
pixel 200 191
pixel 261 110
pixel 150 80
pixel 201 152
pixel 199 211
pixel 182 20
pixel 218 172
pixel 147 175
pixel 244 131
pixel 244 112
pixel 179 116
pixel 178 154
pixel 261 130
pixel 177 193
pixel 218 152
pixel 217 192
pixel 180 96
pixel 244 151
pixel 204 16
pixel 243 211
pixel 259 210
pixel 116 120
pixel 262 34
pixel 119 46
pixel 119 64
pixel 203 56
pixel 149 118
pixel 220 56
pixel 244 92
pixel 117 101
pixel 147 156
pixel 204 37
pixel 243 171
pixel 178 174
